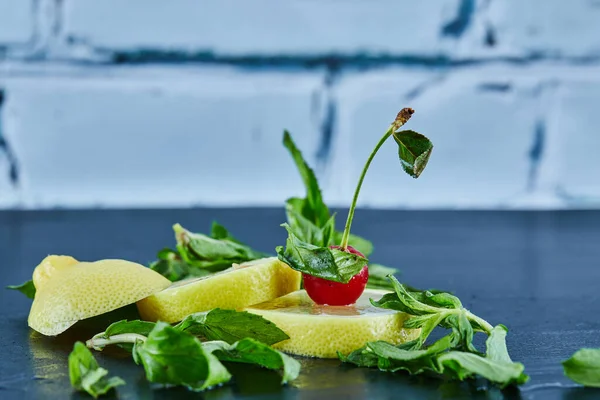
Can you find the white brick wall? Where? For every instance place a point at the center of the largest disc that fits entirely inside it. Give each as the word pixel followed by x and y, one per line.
pixel 133 101
pixel 16 25
pixel 232 27
pixel 138 137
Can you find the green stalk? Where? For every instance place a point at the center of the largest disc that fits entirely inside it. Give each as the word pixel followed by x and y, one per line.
pixel 346 235
pixel 98 343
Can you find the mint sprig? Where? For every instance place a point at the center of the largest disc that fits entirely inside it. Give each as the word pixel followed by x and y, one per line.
pixel 454 354
pixel 86 375
pixel 217 324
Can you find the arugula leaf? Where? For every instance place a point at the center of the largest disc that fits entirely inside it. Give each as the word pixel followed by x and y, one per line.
pixel 86 375
pixel 254 352
pixel 313 207
pixel 414 150
pixel 231 326
pixel 323 262
pixel 170 356
pixel 584 367
pixel 27 288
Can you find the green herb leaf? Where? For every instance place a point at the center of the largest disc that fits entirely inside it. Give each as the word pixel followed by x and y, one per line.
pixel 378 276
pixel 171 266
pixel 464 365
pixel 584 367
pixel 231 326
pixel 312 208
pixel 306 230
pixel 202 251
pixel 323 262
pixel 86 375
pixel 251 351
pixel 27 288
pixel 136 326
pixel 170 356
pixel 414 150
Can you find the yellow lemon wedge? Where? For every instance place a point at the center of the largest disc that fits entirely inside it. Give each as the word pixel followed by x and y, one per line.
pixel 68 291
pixel 235 288
pixel 321 331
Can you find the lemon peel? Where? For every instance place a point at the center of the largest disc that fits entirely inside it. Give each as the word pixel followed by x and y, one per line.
pixel 67 292
pixel 321 330
pixel 235 288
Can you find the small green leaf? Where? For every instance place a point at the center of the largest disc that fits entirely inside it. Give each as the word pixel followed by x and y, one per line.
pixel 86 375
pixel 251 351
pixel 136 326
pixel 378 276
pixel 414 150
pixel 359 243
pixel 496 345
pixel 231 326
pixel 464 365
pixel 323 262
pixel 202 251
pixel 170 265
pixel 27 288
pixel 312 208
pixel 172 357
pixel 584 367
pixel 306 230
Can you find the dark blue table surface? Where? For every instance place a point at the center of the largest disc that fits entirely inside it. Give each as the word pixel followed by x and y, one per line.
pixel 536 272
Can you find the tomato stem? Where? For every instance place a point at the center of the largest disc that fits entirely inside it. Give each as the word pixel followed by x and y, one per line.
pixel 403 116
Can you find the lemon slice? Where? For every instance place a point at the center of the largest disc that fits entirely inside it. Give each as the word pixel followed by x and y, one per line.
pixel 68 291
pixel 322 331
pixel 235 288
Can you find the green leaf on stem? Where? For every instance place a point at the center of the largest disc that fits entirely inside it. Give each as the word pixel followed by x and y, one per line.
pixel 323 262
pixel 86 375
pixel 312 207
pixel 173 357
pixel 205 252
pixel 584 367
pixel 414 150
pixel 231 326
pixel 378 276
pixel 27 288
pixel 306 230
pixel 251 351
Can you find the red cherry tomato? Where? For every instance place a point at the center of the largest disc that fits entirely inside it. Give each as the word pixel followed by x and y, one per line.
pixel 322 291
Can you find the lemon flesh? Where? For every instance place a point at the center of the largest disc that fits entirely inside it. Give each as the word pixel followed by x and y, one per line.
pixel 321 331
pixel 235 288
pixel 78 291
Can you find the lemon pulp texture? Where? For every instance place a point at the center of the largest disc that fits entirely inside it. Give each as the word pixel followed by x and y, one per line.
pixel 321 331
pixel 238 287
pixel 86 289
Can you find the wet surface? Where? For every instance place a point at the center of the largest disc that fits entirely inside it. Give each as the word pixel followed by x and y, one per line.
pixel 536 272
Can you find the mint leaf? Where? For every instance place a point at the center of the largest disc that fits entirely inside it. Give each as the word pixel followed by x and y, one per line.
pixel 170 356
pixel 86 375
pixel 378 275
pixel 27 288
pixel 306 230
pixel 312 208
pixel 136 326
pixel 323 262
pixel 414 150
pixel 584 367
pixel 171 266
pixel 251 351
pixel 464 365
pixel 205 252
pixel 231 326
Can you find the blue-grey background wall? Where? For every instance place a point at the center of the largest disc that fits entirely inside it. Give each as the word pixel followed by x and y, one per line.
pixel 142 103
